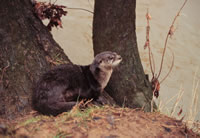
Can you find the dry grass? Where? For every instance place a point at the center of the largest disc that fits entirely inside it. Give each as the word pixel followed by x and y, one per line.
pixel 98 122
pixel 192 113
pixel 190 118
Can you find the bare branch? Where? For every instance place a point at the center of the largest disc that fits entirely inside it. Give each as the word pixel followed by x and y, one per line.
pixel 172 65
pixel 81 9
pixel 147 44
pixel 153 62
pixel 170 33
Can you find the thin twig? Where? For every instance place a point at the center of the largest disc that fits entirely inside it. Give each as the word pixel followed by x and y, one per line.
pixel 156 85
pixel 172 65
pixel 167 102
pixel 153 62
pixel 88 101
pixel 169 34
pixel 193 106
pixel 147 44
pixel 152 101
pixel 81 9
pixel 179 97
pixel 55 2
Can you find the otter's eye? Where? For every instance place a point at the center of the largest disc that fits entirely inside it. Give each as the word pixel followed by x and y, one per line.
pixel 111 58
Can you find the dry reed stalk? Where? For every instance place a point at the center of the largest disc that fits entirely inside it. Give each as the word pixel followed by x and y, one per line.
pixel 193 110
pixel 179 97
pixel 166 103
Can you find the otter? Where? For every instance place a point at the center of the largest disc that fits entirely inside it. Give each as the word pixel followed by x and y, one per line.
pixel 59 89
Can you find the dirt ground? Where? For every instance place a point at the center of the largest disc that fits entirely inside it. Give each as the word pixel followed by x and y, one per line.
pixel 96 122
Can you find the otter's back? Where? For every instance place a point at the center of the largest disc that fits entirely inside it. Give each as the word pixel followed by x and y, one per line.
pixel 64 83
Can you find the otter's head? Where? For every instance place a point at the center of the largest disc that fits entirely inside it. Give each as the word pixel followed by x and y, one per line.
pixel 107 60
pixel 103 65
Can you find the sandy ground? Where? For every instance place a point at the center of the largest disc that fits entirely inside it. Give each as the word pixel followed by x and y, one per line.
pixel 76 39
pixel 96 122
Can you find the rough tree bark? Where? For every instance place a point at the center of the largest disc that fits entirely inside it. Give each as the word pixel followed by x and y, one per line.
pixel 27 49
pixel 114 30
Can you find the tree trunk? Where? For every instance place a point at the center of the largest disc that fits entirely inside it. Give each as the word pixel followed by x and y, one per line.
pixel 114 30
pixel 27 49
